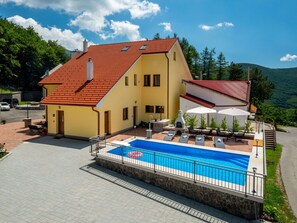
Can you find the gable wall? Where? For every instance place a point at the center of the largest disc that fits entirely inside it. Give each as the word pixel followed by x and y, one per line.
pixel 120 97
pixel 178 71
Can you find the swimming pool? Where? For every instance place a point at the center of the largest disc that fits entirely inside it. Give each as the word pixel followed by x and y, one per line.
pixel 225 166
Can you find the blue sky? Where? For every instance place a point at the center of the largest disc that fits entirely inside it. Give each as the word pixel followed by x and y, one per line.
pixel 252 31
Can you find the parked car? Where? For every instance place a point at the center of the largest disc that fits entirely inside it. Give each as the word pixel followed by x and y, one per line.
pixel 4 106
pixel 12 102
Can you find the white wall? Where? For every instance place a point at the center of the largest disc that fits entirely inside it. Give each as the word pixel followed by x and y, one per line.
pixel 221 101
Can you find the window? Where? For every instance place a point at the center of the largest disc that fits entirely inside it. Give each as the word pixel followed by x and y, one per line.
pixel 143 47
pixel 147 80
pixel 125 113
pixel 159 109
pixel 126 48
pixel 149 109
pixel 174 56
pixel 126 81
pixel 156 79
pixel 135 79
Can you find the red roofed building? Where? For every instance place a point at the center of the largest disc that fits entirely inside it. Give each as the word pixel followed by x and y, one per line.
pixel 112 87
pixel 218 95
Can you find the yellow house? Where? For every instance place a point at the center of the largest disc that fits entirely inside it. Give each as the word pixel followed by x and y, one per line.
pixel 113 87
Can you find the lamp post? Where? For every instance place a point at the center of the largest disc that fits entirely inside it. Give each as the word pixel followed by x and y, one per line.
pixel 27 110
pixel 254 179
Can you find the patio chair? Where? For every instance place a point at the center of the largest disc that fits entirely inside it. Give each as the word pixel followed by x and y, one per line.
pixel 228 134
pixel 218 142
pixel 206 131
pixel 170 135
pixel 184 138
pixel 239 136
pixel 199 140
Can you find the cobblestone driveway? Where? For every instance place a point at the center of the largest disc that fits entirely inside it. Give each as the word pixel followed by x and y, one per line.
pixel 55 180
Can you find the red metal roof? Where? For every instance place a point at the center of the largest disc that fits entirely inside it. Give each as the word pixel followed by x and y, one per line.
pixel 110 64
pixel 198 101
pixel 235 89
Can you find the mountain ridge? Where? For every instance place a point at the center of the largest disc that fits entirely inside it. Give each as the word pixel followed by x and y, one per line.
pixel 285 80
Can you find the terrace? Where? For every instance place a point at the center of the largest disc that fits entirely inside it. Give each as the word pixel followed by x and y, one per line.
pixel 247 198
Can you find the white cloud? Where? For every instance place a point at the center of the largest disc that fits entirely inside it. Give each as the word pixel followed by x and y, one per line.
pixel 123 28
pixel 288 57
pixel 65 37
pixel 167 26
pixel 217 26
pixel 143 9
pixel 92 14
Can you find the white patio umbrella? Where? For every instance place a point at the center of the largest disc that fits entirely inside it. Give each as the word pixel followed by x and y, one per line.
pixel 200 110
pixel 233 112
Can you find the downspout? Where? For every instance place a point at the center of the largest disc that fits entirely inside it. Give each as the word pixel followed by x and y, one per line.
pixel 98 117
pixel 167 85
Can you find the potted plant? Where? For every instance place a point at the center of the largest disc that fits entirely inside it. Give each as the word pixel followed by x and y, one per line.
pixel 248 127
pixel 203 122
pixel 213 124
pixel 191 122
pixel 224 124
pixel 235 125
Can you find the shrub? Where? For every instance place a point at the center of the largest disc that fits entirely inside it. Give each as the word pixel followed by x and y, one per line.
pixel 213 124
pixel 224 124
pixel 191 121
pixel 203 122
pixel 236 125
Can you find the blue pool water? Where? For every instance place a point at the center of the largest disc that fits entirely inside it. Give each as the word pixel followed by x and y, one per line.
pixel 182 158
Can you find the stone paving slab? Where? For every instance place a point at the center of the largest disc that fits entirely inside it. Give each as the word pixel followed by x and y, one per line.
pixel 56 180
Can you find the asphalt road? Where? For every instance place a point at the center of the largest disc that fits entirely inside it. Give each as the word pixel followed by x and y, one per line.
pixel 289 165
pixel 15 115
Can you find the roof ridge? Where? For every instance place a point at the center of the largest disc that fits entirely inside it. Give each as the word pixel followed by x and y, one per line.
pixel 133 42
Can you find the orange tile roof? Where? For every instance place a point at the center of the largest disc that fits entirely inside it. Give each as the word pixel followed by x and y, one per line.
pixel 235 89
pixel 110 64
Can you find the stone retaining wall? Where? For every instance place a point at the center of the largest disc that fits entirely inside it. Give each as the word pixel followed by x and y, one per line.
pixel 224 201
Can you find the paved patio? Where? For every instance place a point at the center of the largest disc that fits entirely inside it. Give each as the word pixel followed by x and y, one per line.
pixel 55 180
pixel 245 145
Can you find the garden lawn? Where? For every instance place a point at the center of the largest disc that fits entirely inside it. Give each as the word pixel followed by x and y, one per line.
pixel 276 203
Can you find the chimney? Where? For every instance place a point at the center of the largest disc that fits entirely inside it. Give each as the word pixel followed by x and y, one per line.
pixel 85 46
pixel 90 70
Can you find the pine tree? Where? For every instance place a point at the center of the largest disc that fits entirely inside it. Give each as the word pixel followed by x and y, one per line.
pixel 235 72
pixel 221 66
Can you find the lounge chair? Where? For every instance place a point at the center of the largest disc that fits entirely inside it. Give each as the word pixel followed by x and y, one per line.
pixel 199 140
pixel 184 138
pixel 170 135
pixel 238 136
pixel 226 134
pixel 206 131
pixel 218 142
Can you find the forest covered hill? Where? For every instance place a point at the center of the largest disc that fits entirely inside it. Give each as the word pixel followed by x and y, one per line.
pixel 285 80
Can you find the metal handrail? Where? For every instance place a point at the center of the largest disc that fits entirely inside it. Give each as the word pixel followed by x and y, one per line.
pixel 97 141
pixel 246 182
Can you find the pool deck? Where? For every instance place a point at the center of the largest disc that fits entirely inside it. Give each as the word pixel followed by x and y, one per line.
pixel 246 145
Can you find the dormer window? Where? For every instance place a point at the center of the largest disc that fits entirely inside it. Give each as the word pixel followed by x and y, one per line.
pixel 143 47
pixel 126 48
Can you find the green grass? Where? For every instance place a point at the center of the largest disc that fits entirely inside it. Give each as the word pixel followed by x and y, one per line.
pixel 3 90
pixel 276 203
pixel 2 154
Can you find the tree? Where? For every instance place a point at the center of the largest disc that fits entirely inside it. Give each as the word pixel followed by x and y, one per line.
pixel 235 72
pixel 208 62
pixel 261 87
pixel 156 36
pixel 24 56
pixel 221 66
